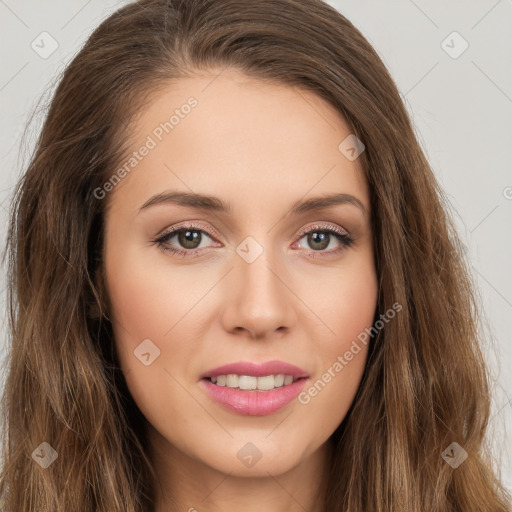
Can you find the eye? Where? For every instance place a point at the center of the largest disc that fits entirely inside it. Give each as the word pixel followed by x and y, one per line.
pixel 188 238
pixel 322 237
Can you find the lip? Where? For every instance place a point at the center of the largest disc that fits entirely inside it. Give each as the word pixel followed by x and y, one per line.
pixel 257 370
pixel 254 402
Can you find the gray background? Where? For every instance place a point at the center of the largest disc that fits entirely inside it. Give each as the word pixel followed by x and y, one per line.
pixel 460 103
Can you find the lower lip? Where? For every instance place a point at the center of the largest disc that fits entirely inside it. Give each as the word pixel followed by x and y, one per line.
pixel 253 403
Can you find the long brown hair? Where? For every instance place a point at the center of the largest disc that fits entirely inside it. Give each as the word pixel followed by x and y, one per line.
pixel 425 384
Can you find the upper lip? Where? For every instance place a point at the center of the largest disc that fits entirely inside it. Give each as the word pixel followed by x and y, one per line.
pixel 257 370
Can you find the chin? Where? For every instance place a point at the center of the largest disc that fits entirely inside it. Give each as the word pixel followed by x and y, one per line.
pixel 255 458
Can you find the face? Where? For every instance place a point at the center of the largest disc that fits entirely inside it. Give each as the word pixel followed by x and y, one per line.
pixel 259 271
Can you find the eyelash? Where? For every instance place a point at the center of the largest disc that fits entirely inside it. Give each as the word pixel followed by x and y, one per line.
pixel 345 239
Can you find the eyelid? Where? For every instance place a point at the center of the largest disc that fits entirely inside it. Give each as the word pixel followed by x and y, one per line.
pixel 322 226
pixel 192 225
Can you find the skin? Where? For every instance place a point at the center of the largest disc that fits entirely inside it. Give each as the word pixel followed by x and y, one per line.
pixel 261 147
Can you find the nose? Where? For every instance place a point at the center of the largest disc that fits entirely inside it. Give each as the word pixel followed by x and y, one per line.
pixel 259 300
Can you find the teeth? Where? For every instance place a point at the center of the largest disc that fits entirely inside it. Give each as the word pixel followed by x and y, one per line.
pixel 279 380
pixel 249 382
pixel 266 383
pixel 245 382
pixel 232 381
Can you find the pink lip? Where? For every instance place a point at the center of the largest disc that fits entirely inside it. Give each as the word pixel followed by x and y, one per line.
pixel 254 402
pixel 257 370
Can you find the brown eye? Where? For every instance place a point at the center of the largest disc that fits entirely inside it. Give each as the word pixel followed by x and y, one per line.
pixel 319 238
pixel 184 240
pixel 189 239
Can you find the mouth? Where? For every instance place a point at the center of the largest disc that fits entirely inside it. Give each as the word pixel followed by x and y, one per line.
pixel 254 389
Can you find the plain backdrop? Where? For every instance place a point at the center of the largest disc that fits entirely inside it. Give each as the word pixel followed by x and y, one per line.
pixel 451 62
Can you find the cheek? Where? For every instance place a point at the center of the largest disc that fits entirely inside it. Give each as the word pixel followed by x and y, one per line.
pixel 145 309
pixel 137 300
pixel 354 313
pixel 348 309
pixel 149 300
pixel 346 304
pixel 153 302
pixel 141 312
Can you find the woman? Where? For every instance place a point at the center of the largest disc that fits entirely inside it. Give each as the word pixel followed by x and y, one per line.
pixel 234 283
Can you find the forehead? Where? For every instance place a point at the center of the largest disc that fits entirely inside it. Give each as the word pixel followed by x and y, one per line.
pixel 241 136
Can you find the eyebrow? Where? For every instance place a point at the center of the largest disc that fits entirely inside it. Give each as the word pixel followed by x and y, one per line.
pixel 214 204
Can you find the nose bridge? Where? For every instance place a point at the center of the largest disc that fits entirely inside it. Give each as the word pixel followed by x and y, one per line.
pixel 259 301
